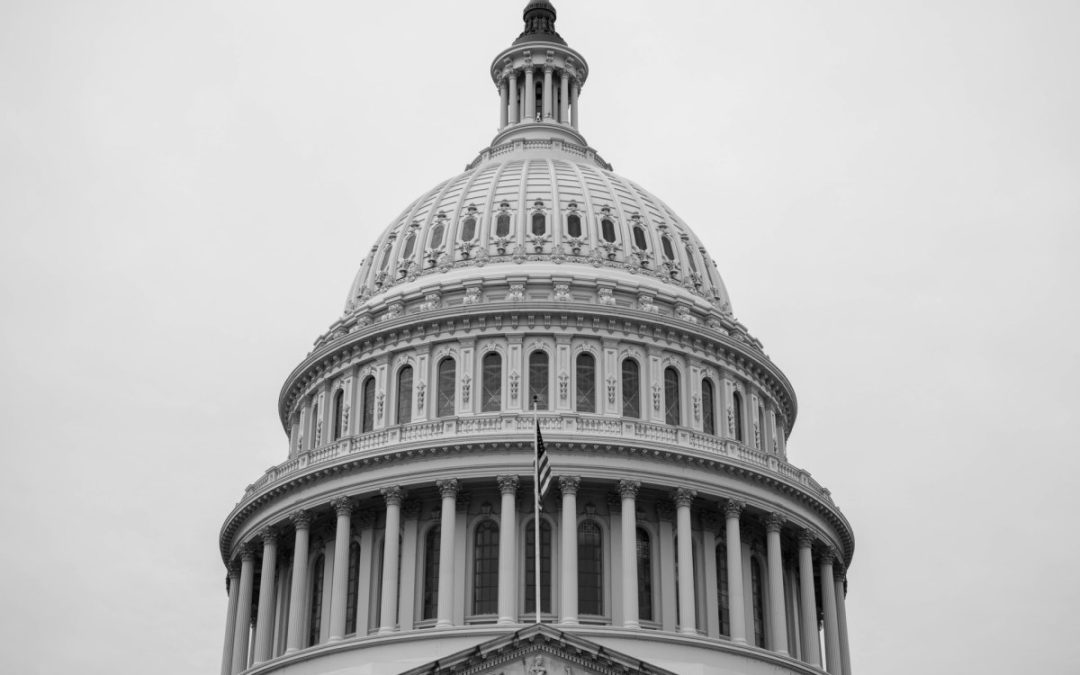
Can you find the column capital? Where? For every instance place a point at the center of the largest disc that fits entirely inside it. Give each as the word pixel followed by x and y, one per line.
pixel 733 508
pixel 448 488
pixel 683 497
pixel 247 552
pixel 828 555
pixel 508 484
pixel 628 489
pixel 268 535
pixel 569 484
pixel 774 522
pixel 301 519
pixel 393 495
pixel 807 537
pixel 343 506
pixel 840 573
pixel 234 568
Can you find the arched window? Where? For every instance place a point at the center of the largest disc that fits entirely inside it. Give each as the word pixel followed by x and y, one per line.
pixel 486 568
pixel 354 586
pixel 545 567
pixel 385 259
pixel 758 600
pixel 367 421
pixel 407 252
pixel 585 387
pixel 538 379
pixel 432 543
pixel 672 413
pixel 737 410
pixel 445 394
pixel 644 576
pixel 723 603
pixel 760 436
pixel 539 224
pixel 404 395
pixel 690 258
pixel 639 239
pixel 590 568
pixel 631 394
pixel 468 229
pixel 669 250
pixel 491 393
pixel 502 225
pixel 314 436
pixel 607 229
pixel 339 413
pixel 573 225
pixel 436 236
pixel 708 410
pixel 315 616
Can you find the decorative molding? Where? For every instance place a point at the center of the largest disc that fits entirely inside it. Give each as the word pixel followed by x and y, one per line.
pixel 568 485
pixel 393 495
pixel 448 488
pixel 683 497
pixel 507 484
pixel 628 489
pixel 301 519
pixel 343 506
pixel 733 508
pixel 774 522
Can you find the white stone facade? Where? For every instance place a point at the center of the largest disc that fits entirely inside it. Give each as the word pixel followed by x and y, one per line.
pixel 678 533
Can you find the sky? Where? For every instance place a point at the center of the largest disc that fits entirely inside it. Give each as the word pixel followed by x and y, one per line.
pixel 891 191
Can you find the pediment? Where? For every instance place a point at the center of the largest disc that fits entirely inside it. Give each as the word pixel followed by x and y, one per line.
pixel 538 650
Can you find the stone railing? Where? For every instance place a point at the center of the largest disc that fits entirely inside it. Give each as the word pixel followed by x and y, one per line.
pixel 580 427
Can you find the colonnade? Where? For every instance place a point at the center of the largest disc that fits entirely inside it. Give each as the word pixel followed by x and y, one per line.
pixel 272 608
pixel 558 102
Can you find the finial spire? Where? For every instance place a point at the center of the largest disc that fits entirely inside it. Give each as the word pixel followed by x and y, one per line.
pixel 539 16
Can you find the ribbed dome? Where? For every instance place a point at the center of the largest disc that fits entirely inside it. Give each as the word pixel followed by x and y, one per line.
pixel 534 202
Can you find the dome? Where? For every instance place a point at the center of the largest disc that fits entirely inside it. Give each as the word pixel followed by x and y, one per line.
pixel 541 202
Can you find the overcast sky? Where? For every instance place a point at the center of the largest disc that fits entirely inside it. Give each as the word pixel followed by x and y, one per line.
pixel 891 191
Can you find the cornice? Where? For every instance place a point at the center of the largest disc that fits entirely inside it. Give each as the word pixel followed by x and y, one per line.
pixel 700 463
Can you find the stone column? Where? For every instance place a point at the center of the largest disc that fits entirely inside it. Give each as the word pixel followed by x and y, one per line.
pixel 628 490
pixel 832 622
pixel 683 498
pixel 391 541
pixel 564 97
pixel 841 614
pixel 530 95
pixel 710 525
pixel 575 91
pixel 665 514
pixel 302 521
pixel 808 601
pixel 508 572
pixel 568 578
pixel 548 92
pixel 449 490
pixel 264 625
pixel 230 619
pixel 243 609
pixel 339 591
pixel 504 102
pixel 773 524
pixel 736 603
pixel 515 110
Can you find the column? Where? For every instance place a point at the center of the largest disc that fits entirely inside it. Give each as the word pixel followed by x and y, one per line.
pixel 575 91
pixel 264 625
pixel 548 92
pixel 530 95
pixel 394 496
pixel 683 498
pixel 841 614
pixel 302 522
pixel 665 514
pixel 410 524
pixel 508 571
pixel 832 623
pixel 448 489
pixel 710 525
pixel 504 101
pixel 564 97
pixel 339 590
pixel 776 582
pixel 628 490
pixel 736 603
pixel 230 618
pixel 243 609
pixel 365 521
pixel 808 601
pixel 515 111
pixel 568 577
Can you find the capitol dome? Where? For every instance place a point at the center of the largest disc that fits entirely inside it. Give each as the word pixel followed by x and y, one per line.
pixel 537 292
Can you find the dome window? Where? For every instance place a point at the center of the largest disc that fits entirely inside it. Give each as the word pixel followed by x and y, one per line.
pixel 631 396
pixel 410 243
pixel 539 224
pixel 690 259
pixel 468 229
pixel 669 250
pixel 437 235
pixel 672 412
pixel 607 229
pixel 639 238
pixel 573 225
pixel 502 221
pixel 708 410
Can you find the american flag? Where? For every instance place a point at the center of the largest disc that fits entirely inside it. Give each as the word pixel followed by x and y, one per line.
pixel 543 469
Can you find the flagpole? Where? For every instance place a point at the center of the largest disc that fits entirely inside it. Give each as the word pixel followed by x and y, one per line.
pixel 536 509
